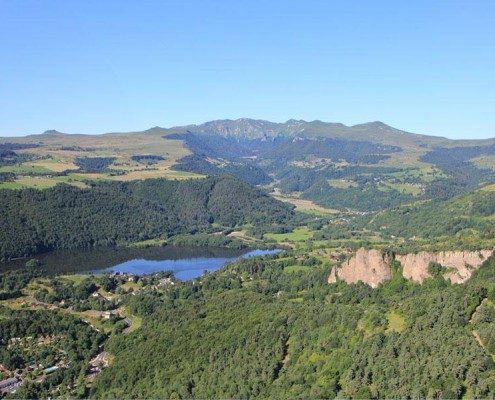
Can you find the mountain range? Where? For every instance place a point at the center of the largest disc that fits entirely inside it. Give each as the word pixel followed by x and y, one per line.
pixel 365 167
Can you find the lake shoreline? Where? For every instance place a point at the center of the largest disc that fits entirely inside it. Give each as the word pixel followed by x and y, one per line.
pixel 136 260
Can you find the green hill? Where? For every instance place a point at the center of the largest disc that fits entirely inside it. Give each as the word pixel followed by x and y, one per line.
pixel 111 213
pixel 467 219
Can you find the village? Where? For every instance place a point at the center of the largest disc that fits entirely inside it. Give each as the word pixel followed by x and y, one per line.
pixel 95 300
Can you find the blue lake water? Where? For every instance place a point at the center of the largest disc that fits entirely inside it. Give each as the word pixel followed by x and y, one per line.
pixel 184 268
pixel 185 262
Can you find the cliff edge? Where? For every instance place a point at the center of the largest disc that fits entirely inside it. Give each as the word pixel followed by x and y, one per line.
pixel 372 267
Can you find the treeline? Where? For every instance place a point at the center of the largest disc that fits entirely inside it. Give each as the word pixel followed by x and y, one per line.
pixel 246 171
pixel 65 217
pixel 93 164
pixel 147 158
pixel 8 155
pixel 11 282
pixel 7 177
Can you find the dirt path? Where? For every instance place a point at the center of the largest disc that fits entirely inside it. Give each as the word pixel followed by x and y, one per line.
pixel 475 333
pixel 478 339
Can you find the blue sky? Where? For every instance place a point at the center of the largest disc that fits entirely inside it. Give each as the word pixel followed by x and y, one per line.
pixel 99 66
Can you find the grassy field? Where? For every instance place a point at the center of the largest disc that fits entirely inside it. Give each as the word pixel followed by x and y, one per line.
pixel 120 145
pixel 147 243
pixel 487 161
pixel 406 188
pixel 342 183
pixel 296 268
pixel 136 321
pixel 160 171
pixel 75 278
pixel 306 206
pixel 297 235
pixel 396 322
pixel 425 173
pixel 25 168
pixel 55 164
pixel 78 179
pixel 44 182
pixel 242 235
pixel 489 188
pixel 58 153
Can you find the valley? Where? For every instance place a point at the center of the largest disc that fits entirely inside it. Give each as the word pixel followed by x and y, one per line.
pixel 370 246
pixel 366 167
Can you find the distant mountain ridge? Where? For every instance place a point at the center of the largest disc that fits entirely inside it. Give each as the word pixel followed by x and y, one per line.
pixel 364 167
pixel 247 128
pixel 261 129
pixel 372 131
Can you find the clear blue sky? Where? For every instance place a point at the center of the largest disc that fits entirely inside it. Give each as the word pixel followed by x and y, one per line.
pixel 99 66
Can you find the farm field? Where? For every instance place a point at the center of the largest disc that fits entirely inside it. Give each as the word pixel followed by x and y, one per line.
pixel 306 206
pixel 297 235
pixel 55 158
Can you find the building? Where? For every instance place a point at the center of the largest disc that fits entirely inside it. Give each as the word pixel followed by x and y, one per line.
pixel 108 314
pixel 9 385
pixel 50 369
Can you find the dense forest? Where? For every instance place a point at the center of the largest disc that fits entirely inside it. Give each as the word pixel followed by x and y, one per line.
pixel 246 171
pixel 429 220
pixel 94 164
pixel 147 158
pixel 269 327
pixel 8 155
pixel 33 221
pixel 368 197
pixel 261 329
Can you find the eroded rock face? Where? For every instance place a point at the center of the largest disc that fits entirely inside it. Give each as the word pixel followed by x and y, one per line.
pixel 372 267
pixel 368 266
pixel 460 264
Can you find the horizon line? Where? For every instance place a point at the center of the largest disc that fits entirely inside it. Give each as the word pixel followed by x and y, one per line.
pixel 48 131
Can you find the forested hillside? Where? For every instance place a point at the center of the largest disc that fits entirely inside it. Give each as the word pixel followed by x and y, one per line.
pixel 470 214
pixel 260 329
pixel 33 221
pixel 269 327
pixel 318 163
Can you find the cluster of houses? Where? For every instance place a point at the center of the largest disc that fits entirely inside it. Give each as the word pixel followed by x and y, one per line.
pixel 10 385
pixel 98 363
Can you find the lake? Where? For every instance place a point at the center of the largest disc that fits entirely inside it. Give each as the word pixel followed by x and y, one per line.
pixel 185 262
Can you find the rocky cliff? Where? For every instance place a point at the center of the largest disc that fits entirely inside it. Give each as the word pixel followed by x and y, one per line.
pixel 459 264
pixel 368 266
pixel 373 268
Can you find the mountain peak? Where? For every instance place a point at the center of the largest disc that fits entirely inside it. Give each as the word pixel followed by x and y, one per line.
pixel 155 129
pixel 373 124
pixel 242 127
pixel 52 132
pixel 295 122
